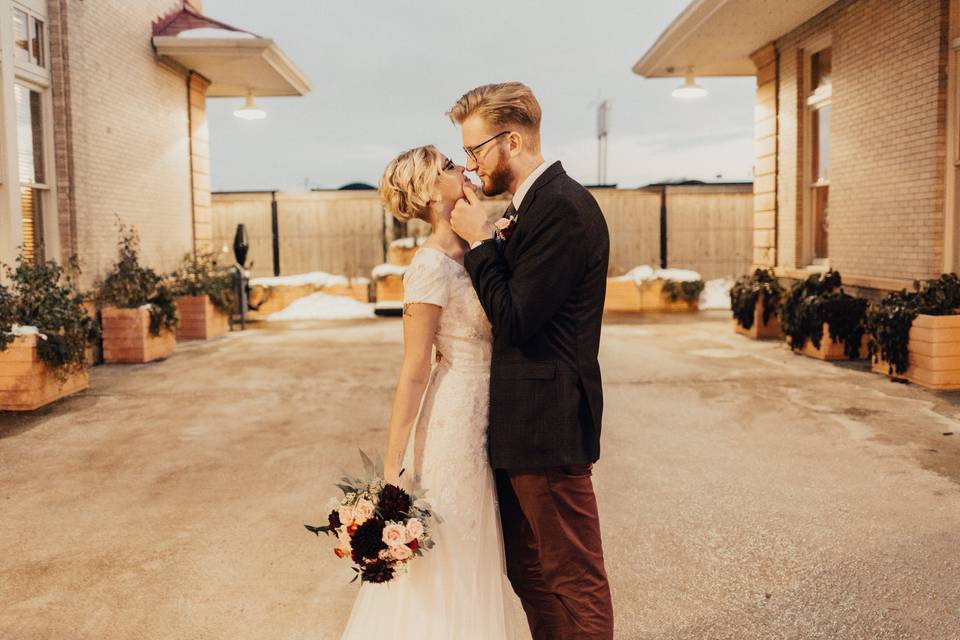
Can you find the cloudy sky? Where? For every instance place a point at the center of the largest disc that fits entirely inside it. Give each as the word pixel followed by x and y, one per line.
pixel 384 72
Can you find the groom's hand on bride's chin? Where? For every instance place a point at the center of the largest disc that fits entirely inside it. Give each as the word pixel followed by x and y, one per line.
pixel 469 219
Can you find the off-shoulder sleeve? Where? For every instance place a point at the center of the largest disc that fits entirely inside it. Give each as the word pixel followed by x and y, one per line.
pixel 424 280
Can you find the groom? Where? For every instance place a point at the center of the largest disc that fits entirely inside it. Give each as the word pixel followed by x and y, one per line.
pixel 540 274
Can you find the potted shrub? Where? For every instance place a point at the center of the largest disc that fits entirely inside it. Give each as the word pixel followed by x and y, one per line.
pixel 821 320
pixel 680 295
pixel 205 298
pixel 916 335
pixel 754 300
pixel 45 333
pixel 137 310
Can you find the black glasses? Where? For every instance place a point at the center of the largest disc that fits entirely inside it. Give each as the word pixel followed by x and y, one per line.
pixel 471 151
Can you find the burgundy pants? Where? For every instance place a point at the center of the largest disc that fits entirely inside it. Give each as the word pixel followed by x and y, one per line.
pixel 551 535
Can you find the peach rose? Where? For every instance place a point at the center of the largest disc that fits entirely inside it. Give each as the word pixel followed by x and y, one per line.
pixel 346 514
pixel 414 529
pixel 395 534
pixel 401 552
pixel 363 510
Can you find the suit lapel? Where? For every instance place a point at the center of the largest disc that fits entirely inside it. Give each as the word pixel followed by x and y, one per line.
pixel 552 172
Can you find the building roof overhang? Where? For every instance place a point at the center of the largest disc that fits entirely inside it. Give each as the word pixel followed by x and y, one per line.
pixel 236 62
pixel 716 37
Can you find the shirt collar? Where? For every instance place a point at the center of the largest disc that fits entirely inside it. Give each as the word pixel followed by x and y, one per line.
pixel 526 184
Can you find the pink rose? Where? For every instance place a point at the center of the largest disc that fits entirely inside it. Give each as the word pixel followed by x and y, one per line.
pixel 363 510
pixel 395 534
pixel 346 514
pixel 401 552
pixel 414 529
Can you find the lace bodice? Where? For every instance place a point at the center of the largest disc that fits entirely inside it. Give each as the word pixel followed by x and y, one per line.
pixel 464 335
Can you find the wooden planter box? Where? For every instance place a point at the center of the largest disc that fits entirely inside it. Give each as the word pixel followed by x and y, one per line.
pixel 199 319
pixel 27 383
pixel 402 256
pixel 127 337
pixel 390 289
pixel 760 331
pixel 359 291
pixel 622 295
pixel 626 295
pixel 652 298
pixel 829 350
pixel 934 353
pixel 273 299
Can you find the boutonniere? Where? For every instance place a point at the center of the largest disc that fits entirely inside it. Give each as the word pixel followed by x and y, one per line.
pixel 503 228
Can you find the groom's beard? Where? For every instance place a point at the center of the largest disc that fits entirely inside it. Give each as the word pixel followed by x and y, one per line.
pixel 498 180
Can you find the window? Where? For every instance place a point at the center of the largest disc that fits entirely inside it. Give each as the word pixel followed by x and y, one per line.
pixel 28 38
pixel 819 100
pixel 32 173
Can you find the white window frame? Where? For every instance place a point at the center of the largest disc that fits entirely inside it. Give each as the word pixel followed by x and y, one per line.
pixel 811 103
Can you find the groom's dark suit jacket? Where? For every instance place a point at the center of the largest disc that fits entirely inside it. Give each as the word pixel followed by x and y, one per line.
pixel 543 292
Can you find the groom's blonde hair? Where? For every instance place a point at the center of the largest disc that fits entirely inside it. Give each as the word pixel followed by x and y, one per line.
pixel 504 104
pixel 407 183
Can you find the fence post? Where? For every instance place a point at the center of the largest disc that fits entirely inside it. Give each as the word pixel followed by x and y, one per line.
pixel 275 232
pixel 663 227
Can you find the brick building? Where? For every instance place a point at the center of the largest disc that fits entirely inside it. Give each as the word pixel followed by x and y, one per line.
pixel 856 134
pixel 104 117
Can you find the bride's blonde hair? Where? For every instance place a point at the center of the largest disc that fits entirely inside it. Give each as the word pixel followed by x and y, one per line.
pixel 408 181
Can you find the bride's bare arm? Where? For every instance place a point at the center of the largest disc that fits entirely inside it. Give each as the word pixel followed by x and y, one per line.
pixel 419 327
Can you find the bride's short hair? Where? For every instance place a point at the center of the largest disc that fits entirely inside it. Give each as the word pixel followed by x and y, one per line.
pixel 408 181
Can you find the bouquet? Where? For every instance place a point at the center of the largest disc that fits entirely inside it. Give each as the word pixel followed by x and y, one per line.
pixel 379 526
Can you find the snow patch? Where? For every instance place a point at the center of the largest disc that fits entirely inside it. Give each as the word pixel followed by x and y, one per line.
pixel 716 294
pixel 323 306
pixel 646 273
pixel 408 243
pixel 383 270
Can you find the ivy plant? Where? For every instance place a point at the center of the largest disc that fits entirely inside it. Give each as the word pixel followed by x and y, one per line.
pixel 199 275
pixel 820 300
pixel 130 285
pixel 761 284
pixel 688 291
pixel 888 321
pixel 44 295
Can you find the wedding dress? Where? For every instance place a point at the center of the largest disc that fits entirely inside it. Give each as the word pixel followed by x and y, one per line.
pixel 459 589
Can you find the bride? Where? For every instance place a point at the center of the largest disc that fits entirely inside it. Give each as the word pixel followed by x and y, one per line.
pixel 459 589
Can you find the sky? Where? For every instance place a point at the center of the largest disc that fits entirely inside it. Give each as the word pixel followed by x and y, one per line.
pixel 385 72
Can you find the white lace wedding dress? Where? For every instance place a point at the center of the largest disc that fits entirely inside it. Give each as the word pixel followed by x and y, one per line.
pixel 459 589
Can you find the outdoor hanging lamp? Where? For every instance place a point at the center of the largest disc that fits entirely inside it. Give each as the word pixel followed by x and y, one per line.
pixel 689 89
pixel 249 110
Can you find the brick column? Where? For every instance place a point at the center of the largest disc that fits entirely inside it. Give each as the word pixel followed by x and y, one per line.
pixel 62 128
pixel 200 163
pixel 765 163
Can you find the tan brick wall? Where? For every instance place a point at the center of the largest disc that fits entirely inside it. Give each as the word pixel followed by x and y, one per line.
pixel 130 135
pixel 765 162
pixel 887 137
pixel 200 164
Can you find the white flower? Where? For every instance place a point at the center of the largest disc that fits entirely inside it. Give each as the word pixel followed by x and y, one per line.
pixel 346 514
pixel 363 511
pixel 414 529
pixel 395 534
pixel 401 552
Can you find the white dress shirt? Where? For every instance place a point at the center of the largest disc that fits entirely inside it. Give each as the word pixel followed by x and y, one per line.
pixel 521 192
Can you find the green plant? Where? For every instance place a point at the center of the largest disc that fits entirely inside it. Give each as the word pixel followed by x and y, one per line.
pixel 889 321
pixel 199 276
pixel 820 300
pixel 130 285
pixel 44 295
pixel 748 289
pixel 688 291
pixel 7 316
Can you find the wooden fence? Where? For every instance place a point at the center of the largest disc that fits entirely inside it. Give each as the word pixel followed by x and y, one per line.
pixel 708 228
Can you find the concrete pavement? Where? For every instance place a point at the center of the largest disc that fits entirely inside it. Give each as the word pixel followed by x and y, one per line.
pixel 745 492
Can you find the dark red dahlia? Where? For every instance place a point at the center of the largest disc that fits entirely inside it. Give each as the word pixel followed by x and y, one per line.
pixel 395 503
pixel 379 571
pixel 334 519
pixel 367 540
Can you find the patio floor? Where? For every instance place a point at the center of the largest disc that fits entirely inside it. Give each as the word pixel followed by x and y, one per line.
pixel 745 492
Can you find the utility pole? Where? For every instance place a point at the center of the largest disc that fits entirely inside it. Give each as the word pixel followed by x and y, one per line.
pixel 602 109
